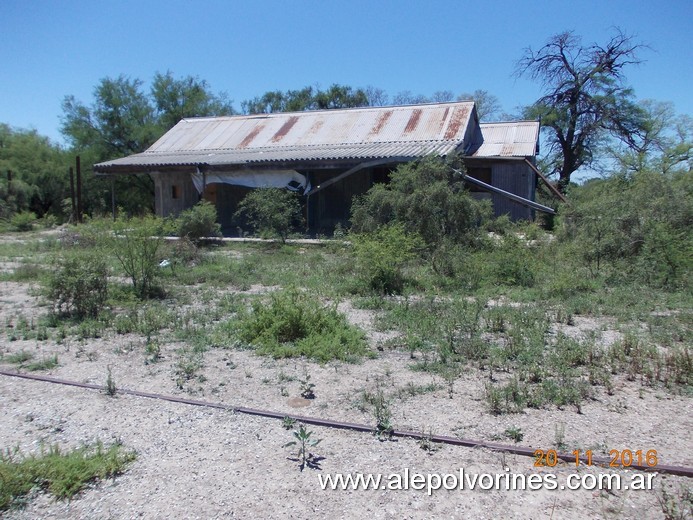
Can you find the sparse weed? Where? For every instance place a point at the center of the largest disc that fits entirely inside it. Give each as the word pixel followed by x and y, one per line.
pixel 305 442
pixel 110 388
pixel 559 436
pixel 427 443
pixel 44 364
pixel 288 422
pixel 63 474
pixel 514 433
pixel 307 389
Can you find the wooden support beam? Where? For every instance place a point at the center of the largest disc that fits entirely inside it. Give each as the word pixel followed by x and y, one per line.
pixel 358 167
pixel 547 182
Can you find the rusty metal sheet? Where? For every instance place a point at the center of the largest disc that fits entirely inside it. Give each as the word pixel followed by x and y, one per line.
pixel 361 133
pixel 507 139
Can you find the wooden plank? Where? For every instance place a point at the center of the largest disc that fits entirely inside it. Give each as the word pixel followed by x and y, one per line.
pixel 547 182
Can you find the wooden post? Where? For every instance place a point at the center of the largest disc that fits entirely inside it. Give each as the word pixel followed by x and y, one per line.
pixel 72 195
pixel 79 189
pixel 113 205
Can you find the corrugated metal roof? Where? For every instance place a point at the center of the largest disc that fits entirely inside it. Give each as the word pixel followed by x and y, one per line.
pixel 507 139
pixel 283 154
pixel 360 133
pixel 433 122
pixel 350 134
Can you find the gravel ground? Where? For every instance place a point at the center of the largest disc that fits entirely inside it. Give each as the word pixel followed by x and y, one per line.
pixel 204 463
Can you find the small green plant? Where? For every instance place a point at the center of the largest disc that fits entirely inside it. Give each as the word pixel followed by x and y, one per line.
pixel 380 407
pixel 427 443
pixel 676 507
pixel 152 350
pixel 514 433
pixel 20 357
pixel 295 324
pixel 78 285
pixel 307 388
pixel 288 422
pixel 188 364
pixel 23 221
pixel 111 389
pixel 304 443
pixel 62 474
pixel 43 364
pixel 559 436
pixel 199 222
pixel 137 247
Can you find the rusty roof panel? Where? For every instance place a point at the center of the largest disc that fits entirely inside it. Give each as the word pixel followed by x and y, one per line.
pixel 458 120
pixel 350 134
pixel 508 139
pixel 373 124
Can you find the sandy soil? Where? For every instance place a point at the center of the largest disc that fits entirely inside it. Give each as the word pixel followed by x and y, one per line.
pixel 203 463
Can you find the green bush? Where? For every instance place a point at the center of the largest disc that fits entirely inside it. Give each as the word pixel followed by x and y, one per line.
pixel 78 285
pixel 294 324
pixel 633 228
pixel 199 222
pixel 428 198
pixel 382 255
pixel 511 263
pixel 23 221
pixel 137 247
pixel 270 211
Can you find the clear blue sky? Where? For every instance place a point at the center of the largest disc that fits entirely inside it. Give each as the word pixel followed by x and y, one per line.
pixel 51 49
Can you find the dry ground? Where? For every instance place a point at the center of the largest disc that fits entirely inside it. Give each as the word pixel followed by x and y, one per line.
pixel 203 463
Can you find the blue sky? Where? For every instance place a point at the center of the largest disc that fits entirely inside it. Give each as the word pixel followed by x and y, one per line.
pixel 51 49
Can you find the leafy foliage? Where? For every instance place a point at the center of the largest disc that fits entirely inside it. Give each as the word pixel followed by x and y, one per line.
pixel 137 247
pixel 305 442
pixel 293 324
pixel 270 211
pixel 78 285
pixel 23 221
pixel 199 222
pixel 635 226
pixel 427 197
pixel 308 98
pixel 39 173
pixel 382 255
pixel 175 99
pixel 62 474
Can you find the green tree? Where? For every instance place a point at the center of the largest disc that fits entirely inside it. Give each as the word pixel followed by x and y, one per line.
pixel 272 211
pixel 428 197
pixel 634 226
pixel 39 173
pixel 120 121
pixel 664 144
pixel 124 119
pixel 175 99
pixel 308 98
pixel 585 99
pixel 340 96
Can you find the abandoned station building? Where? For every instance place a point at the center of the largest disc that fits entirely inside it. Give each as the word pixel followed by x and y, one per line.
pixel 330 156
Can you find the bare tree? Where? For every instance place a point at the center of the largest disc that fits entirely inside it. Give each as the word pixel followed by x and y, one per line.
pixel 585 99
pixel 488 107
pixel 405 97
pixel 442 96
pixel 377 97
